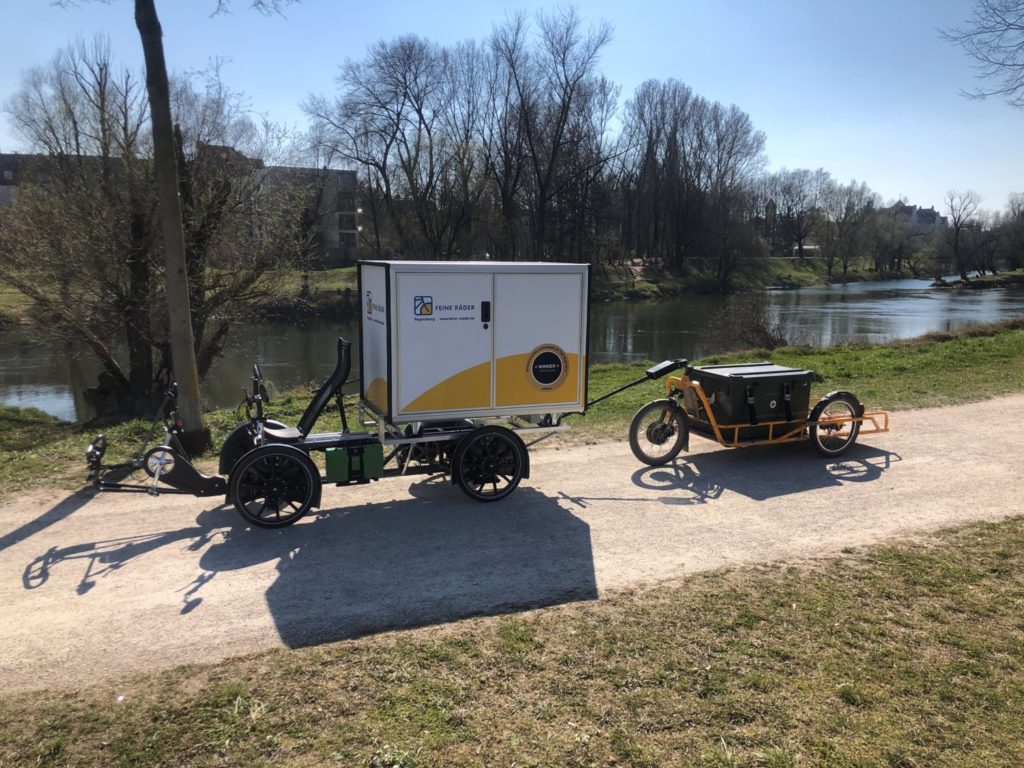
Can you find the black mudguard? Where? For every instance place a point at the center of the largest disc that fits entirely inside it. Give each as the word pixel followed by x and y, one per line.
pixel 820 405
pixel 238 443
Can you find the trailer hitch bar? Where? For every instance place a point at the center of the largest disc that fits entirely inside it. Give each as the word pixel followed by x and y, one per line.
pixel 651 374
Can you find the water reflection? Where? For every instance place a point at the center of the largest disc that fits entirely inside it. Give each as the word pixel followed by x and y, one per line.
pixel 53 377
pixel 877 312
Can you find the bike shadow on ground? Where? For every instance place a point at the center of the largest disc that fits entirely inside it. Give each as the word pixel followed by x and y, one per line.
pixel 102 557
pixel 434 558
pixel 762 472
pixel 60 511
pixel 347 571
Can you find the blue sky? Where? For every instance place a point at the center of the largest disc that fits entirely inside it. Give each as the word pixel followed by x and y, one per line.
pixel 865 90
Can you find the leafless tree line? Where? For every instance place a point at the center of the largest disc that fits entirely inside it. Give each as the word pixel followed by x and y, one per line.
pixel 514 148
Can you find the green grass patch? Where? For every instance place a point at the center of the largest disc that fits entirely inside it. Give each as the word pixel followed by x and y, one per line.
pixel 901 655
pixel 290 282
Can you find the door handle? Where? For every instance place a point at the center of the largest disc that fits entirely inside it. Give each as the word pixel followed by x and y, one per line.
pixel 485 312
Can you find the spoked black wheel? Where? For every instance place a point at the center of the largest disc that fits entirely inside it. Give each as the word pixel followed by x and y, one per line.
pixel 274 485
pixel 658 432
pixel 489 463
pixel 833 429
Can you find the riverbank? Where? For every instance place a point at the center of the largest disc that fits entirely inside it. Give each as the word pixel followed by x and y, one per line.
pixel 1002 280
pixel 332 294
pixel 935 370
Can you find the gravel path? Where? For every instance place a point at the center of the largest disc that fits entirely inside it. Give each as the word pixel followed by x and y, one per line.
pixel 99 586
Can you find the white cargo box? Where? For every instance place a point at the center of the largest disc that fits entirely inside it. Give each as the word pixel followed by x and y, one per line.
pixel 454 340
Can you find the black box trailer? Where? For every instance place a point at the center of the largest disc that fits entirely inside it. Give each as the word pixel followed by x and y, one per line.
pixel 751 394
pixel 748 404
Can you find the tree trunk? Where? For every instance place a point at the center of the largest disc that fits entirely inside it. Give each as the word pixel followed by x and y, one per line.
pixel 179 313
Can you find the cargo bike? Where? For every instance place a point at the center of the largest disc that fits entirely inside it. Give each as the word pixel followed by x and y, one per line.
pixel 463 366
pixel 745 405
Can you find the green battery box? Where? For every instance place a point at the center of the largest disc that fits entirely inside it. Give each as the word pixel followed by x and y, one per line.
pixel 355 463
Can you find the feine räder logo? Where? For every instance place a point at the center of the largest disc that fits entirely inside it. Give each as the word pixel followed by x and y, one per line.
pixel 423 306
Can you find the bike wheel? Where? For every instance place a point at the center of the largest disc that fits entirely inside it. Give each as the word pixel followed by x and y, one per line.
pixel 273 486
pixel 832 429
pixel 489 463
pixel 158 461
pixel 658 432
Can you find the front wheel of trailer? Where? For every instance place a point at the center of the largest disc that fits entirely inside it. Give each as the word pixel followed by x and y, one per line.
pixel 658 432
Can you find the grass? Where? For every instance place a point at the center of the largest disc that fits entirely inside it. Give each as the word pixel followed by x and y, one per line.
pixel 9 297
pixel 40 450
pixel 338 279
pixel 901 655
pixel 1009 277
pixel 12 304
pixel 934 370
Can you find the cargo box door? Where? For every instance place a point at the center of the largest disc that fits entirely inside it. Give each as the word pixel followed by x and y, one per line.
pixel 540 340
pixel 444 342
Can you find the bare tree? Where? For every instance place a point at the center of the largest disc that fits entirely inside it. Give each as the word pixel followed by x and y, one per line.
pixel 1013 226
pixel 550 83
pixel 157 86
pixel 984 239
pixel 847 211
pixel 962 207
pixel 687 174
pixel 82 236
pixel 994 38
pixel 176 276
pixel 503 138
pixel 797 196
pixel 408 116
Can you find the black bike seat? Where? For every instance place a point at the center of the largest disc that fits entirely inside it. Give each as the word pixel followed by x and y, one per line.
pixel 283 434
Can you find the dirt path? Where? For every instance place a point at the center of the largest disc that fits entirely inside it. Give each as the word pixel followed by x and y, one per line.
pixel 94 587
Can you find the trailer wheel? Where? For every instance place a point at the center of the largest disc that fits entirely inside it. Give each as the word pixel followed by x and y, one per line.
pixel 832 432
pixel 489 463
pixel 658 432
pixel 274 485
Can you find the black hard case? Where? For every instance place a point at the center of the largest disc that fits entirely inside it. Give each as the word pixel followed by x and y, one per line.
pixel 751 394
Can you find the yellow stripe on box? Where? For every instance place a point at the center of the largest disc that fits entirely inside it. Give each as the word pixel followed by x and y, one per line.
pixel 377 394
pixel 470 388
pixel 514 385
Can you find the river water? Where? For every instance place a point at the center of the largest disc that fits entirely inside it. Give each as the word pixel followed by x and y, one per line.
pixel 51 376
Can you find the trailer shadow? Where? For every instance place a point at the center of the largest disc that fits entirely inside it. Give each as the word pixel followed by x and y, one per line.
pixel 435 558
pixel 762 473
